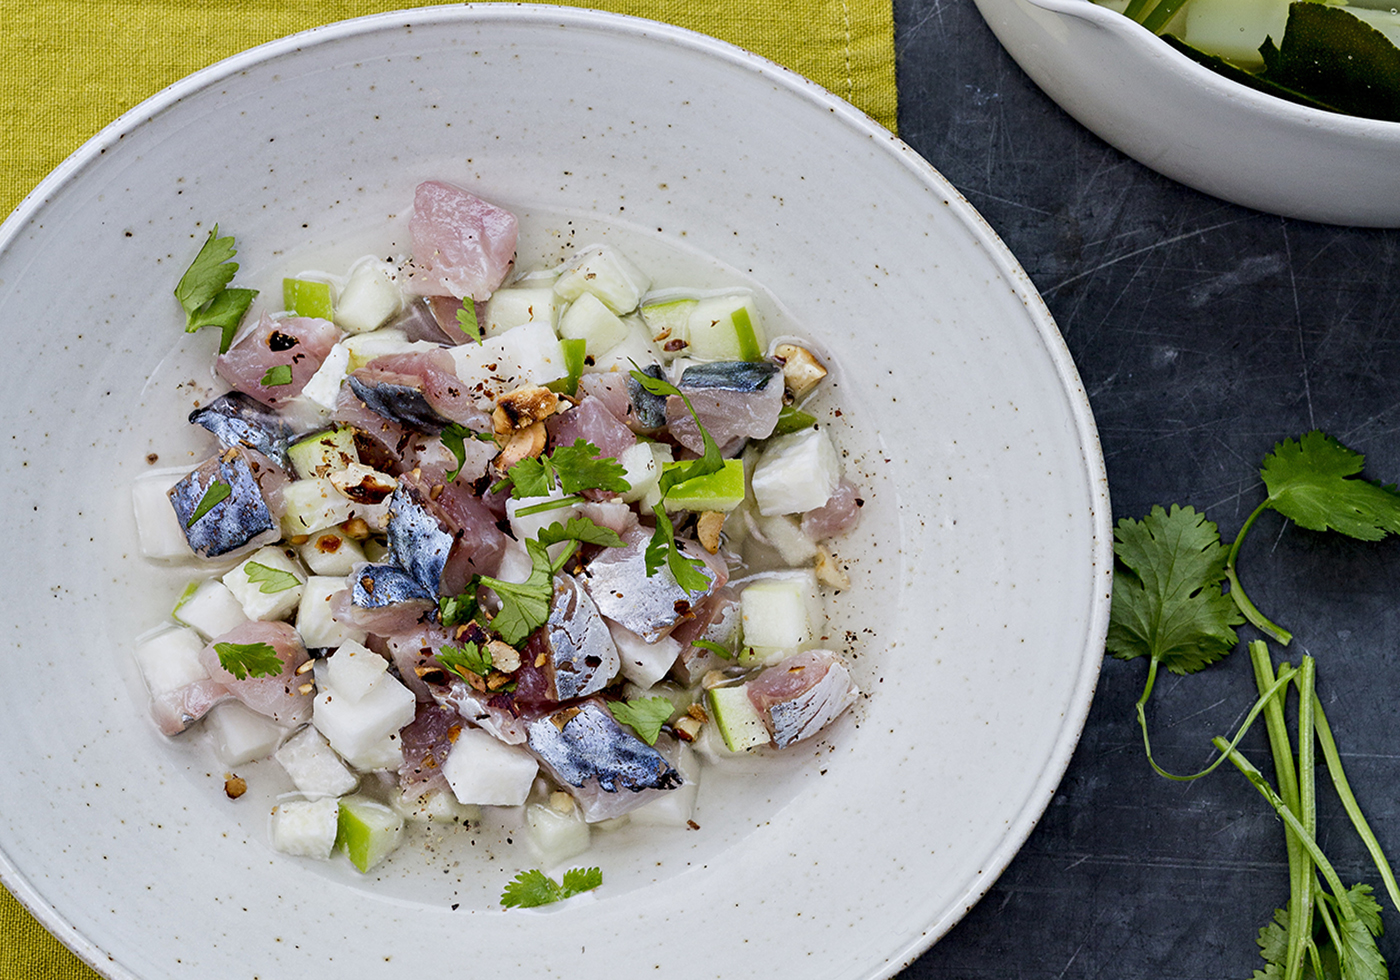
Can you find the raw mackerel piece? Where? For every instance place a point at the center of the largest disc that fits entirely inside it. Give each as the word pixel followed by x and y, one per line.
pixel 462 246
pixel 298 344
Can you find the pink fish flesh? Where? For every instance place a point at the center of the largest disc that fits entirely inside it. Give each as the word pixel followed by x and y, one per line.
pixel 462 246
pixel 277 696
pixel 296 344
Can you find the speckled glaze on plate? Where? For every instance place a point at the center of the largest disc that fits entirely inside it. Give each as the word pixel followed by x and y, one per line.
pixel 980 573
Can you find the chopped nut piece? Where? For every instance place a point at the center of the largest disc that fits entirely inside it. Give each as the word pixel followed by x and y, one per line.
pixel 362 484
pixel 713 678
pixel 698 713
pixel 561 802
pixel 356 528
pixel 306 688
pixel 497 680
pixel 309 665
pixel 707 529
pixel 829 573
pixel 234 786
pixel 688 728
pixel 522 408
pixel 526 443
pixel 504 657
pixel 801 370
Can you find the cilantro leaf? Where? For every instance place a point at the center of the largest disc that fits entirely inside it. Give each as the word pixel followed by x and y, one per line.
pixel 1311 483
pixel 278 374
pixel 455 437
pixel 581 529
pixel 530 889
pixel 524 605
pixel 455 610
pixel 204 294
pixel 466 319
pixel 710 461
pixel 465 659
pixel 1167 601
pixel 663 550
pixel 218 492
pixel 244 660
pixel 578 468
pixel 270 580
pixel 645 716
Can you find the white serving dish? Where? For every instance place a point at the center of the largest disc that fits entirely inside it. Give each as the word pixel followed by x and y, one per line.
pixel 981 570
pixel 1197 127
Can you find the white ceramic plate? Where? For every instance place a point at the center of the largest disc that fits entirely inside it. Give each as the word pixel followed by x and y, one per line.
pixel 1185 121
pixel 981 569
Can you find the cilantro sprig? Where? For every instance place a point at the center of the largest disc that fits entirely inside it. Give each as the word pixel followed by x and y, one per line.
pixel 469 658
pixel 530 889
pixel 1169 605
pixel 270 580
pixel 573 469
pixel 466 320
pixel 204 292
pixel 244 660
pixel 645 716
pixel 217 492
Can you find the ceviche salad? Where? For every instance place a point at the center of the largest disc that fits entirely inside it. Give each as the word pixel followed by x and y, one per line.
pixel 474 536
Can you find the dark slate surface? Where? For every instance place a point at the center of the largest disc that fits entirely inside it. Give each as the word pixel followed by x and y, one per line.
pixel 1204 333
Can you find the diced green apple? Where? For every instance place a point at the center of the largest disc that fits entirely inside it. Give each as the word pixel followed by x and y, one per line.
pixel 308 297
pixel 588 319
pixel 370 299
pixel 313 504
pixel 518 305
pixel 318 628
pixel 210 608
pixel 367 831
pixel 736 718
pixel 725 328
pixel 607 274
pixel 722 490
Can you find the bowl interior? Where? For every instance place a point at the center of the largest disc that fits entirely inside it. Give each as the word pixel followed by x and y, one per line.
pixel 980 569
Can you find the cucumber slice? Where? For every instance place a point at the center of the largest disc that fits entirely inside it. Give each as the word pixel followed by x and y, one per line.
pixel 736 718
pixel 306 297
pixel 367 831
pixel 722 490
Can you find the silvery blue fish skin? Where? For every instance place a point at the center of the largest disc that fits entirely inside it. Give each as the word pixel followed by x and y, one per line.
pixel 608 769
pixel 241 519
pixel 730 375
pixel 648 605
pixel 581 657
pixel 377 586
pixel 650 409
pixel 239 420
pixel 417 540
pixel 399 403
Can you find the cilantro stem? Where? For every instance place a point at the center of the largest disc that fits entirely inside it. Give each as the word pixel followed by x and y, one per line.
pixel 1264 699
pixel 1163 12
pixel 1237 593
pixel 1291 821
pixel 554 504
pixel 1306 679
pixel 563 558
pixel 1353 809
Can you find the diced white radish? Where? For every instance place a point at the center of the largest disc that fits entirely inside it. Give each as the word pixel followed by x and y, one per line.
pixel 240 734
pixel 516 565
pixel 156 524
pixel 643 471
pixel 606 273
pixel 387 753
pixel 306 828
pixel 354 670
pixel 432 806
pixel 314 766
pixel 528 354
pixel 331 552
pixel 324 386
pixel 370 298
pixel 311 505
pixel 486 772
pixel 518 305
pixel 555 836
pixel 169 660
pixel 318 628
pixel 354 728
pixel 266 600
pixel 677 807
pixel 589 320
pixel 210 608
pixel 796 473
pixel 784 533
pixel 643 663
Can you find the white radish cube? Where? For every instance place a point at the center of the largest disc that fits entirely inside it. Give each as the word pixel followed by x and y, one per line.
pixel 784 533
pixel 354 728
pixel 643 663
pixel 169 660
pixel 370 298
pixel 210 608
pixel 555 837
pixel 516 565
pixel 516 306
pixel 432 806
pixel 587 319
pixel 157 526
pixel 675 808
pixel 314 766
pixel 637 347
pixel 311 505
pixel 353 671
pixel 387 753
pixel 324 386
pixel 607 274
pixel 269 591
pixel 528 354
pixel 240 734
pixel 796 473
pixel 486 772
pixel 306 828
pixel 318 628
pixel 643 471
pixel 331 552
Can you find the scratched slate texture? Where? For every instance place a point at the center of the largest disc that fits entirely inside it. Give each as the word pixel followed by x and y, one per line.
pixel 1204 333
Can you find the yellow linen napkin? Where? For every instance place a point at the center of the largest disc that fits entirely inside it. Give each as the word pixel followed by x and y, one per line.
pixel 72 66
